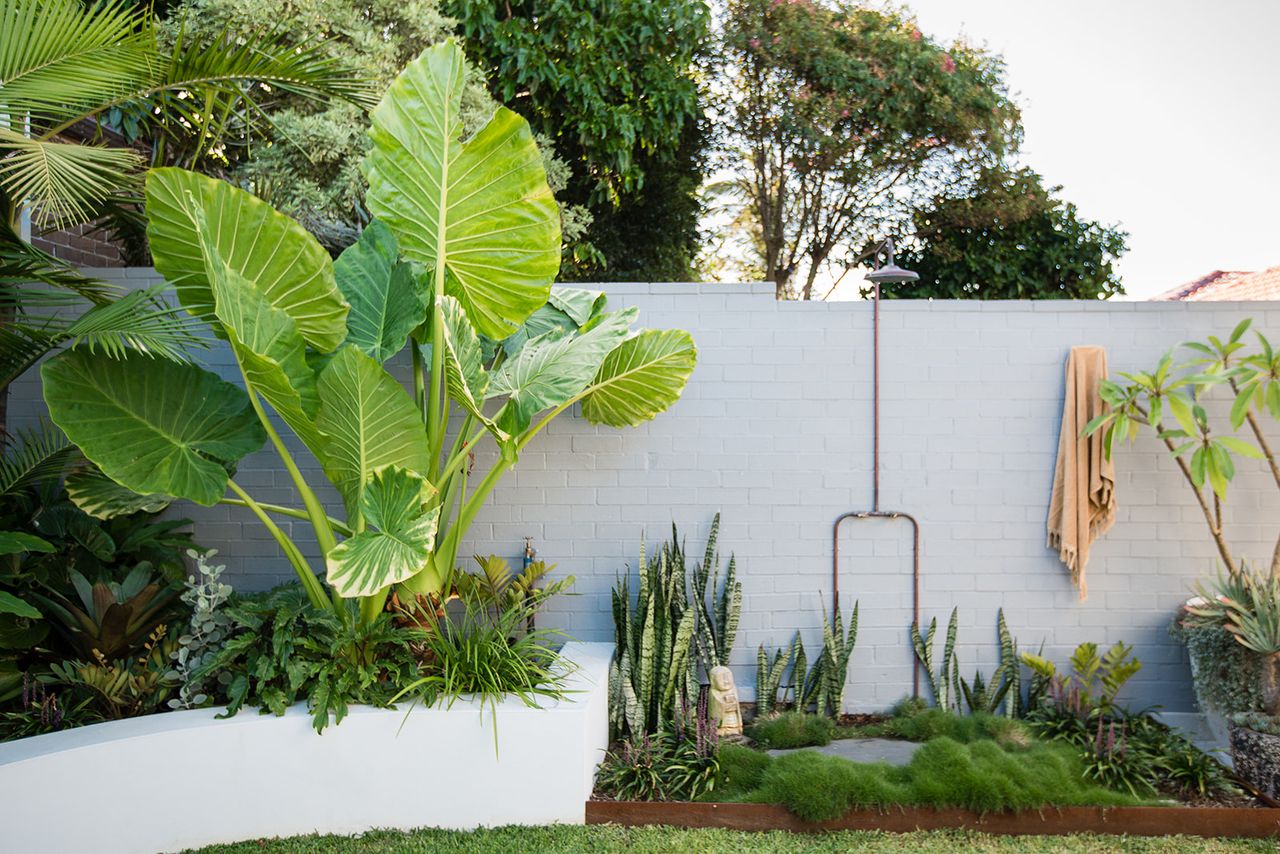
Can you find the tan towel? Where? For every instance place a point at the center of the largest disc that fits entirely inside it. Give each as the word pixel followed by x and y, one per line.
pixel 1083 504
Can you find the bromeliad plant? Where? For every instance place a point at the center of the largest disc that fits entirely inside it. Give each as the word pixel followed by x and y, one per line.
pixel 457 267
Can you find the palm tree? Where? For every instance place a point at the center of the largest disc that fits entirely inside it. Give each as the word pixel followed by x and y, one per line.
pixel 67 69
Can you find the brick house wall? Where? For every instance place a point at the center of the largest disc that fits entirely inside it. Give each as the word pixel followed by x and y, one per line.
pixel 81 245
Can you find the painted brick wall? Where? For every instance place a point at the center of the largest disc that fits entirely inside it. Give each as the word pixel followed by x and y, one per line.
pixel 80 244
pixel 775 431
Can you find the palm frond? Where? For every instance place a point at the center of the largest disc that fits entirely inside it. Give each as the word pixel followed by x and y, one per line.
pixel 22 265
pixel 38 454
pixel 212 93
pixel 60 58
pixel 138 321
pixel 267 59
pixel 62 181
pixel 21 346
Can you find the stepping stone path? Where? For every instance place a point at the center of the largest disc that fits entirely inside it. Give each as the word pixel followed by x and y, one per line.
pixel 865 750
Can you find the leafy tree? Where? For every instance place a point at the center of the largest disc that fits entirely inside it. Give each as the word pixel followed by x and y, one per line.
pixel 310 167
pixel 841 119
pixel 1009 239
pixel 612 83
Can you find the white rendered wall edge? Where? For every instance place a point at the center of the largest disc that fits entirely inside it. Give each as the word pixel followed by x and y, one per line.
pixel 181 780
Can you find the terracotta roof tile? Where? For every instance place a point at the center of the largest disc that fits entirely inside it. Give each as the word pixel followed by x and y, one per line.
pixel 1229 285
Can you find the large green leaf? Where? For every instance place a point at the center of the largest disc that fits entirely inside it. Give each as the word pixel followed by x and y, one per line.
pixel 554 367
pixel 386 303
pixel 10 604
pixel 481 211
pixel 265 340
pixel 262 245
pixel 369 421
pixel 17 542
pixel 392 503
pixel 641 378
pixel 464 372
pixel 155 426
pixel 567 308
pixel 579 304
pixel 103 498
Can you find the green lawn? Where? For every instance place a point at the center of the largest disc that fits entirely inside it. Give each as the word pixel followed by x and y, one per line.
pixel 652 840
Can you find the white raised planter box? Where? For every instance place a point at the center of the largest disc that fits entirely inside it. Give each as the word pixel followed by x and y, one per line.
pixel 184 779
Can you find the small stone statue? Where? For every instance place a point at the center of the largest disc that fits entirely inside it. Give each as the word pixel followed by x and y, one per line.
pixel 724 703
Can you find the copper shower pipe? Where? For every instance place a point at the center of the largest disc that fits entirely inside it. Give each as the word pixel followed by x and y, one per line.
pixel 875 512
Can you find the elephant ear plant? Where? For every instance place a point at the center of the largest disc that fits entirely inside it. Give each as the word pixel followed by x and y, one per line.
pixel 457 267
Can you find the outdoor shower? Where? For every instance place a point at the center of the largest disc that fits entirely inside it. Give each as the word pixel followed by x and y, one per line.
pixel 885 273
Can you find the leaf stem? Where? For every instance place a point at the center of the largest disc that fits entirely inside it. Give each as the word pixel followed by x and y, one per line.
pixel 293 512
pixel 315 510
pixel 315 590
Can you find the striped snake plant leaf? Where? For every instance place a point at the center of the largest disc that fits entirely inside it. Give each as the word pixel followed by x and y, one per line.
pixel 763 704
pixel 619 600
pixel 923 646
pixel 152 425
pixel 710 556
pixel 950 675
pixel 400 538
pixel 799 669
pixel 679 656
pixel 640 378
pixel 631 709
pixel 1011 663
pixel 263 246
pixel 648 640
pixel 728 612
pixel 477 213
pixel 643 569
pixel 662 654
pixel 615 699
pixel 370 421
pixel 387 301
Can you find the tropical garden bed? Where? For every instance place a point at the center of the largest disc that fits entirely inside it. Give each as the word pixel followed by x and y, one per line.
pixel 998 751
pixel 434 694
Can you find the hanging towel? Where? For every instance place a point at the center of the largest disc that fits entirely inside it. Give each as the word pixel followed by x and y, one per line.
pixel 1083 504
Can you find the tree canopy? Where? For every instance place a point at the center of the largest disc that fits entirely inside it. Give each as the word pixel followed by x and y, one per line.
pixel 310 166
pixel 1010 238
pixel 839 120
pixel 613 84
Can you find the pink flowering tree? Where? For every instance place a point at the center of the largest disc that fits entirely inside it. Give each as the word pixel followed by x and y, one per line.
pixel 840 121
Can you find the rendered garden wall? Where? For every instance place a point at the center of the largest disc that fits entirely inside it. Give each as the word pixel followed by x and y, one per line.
pixel 262 776
pixel 775 431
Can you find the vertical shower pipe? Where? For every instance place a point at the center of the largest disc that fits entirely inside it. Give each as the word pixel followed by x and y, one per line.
pixel 890 272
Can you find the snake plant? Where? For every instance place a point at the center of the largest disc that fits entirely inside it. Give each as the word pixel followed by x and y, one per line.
pixel 678 620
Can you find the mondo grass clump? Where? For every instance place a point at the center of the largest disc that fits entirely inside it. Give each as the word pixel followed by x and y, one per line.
pixel 966 729
pixel 791 729
pixel 980 776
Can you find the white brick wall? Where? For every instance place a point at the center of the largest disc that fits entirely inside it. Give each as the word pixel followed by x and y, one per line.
pixel 775 431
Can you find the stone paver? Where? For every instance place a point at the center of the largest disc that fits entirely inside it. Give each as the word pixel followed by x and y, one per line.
pixel 865 750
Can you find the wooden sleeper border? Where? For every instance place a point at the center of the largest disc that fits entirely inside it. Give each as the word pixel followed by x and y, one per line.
pixel 1133 821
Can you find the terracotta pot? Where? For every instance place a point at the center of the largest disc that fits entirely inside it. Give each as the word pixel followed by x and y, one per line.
pixel 1256 756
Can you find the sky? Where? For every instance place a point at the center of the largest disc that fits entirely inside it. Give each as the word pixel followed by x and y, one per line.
pixel 1163 117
